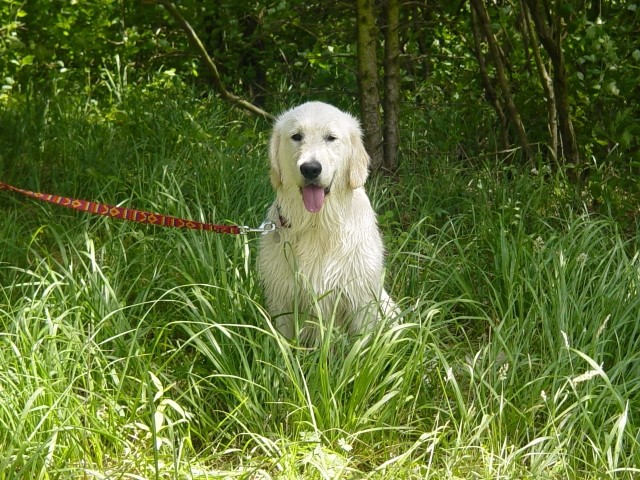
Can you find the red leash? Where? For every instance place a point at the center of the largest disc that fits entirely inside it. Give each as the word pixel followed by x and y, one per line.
pixel 137 215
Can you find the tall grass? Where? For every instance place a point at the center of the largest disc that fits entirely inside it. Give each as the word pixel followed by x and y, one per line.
pixel 133 352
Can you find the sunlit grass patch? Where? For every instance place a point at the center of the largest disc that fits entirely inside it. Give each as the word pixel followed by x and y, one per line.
pixel 128 351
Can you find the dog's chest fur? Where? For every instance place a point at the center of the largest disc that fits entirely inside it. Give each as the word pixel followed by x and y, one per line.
pixel 331 252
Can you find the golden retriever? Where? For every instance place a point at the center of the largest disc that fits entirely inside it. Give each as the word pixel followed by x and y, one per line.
pixel 325 257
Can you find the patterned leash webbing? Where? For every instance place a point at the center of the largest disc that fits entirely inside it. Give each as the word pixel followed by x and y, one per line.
pixel 127 213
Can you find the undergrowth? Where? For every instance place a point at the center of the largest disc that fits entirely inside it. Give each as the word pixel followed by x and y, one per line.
pixel 129 351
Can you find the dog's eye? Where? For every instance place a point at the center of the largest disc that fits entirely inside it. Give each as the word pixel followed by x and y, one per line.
pixel 296 137
pixel 330 138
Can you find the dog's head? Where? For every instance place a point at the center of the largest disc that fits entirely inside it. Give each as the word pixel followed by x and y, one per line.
pixel 318 149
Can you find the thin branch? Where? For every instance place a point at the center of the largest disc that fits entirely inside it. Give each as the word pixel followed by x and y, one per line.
pixel 209 63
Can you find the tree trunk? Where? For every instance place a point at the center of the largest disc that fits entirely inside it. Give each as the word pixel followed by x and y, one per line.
pixel 550 36
pixel 391 85
pixel 501 76
pixel 489 91
pixel 547 84
pixel 368 81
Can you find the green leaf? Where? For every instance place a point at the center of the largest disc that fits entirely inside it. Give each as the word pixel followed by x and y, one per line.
pixel 27 60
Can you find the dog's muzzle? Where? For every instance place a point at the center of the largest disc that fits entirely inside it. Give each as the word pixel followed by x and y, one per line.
pixel 312 193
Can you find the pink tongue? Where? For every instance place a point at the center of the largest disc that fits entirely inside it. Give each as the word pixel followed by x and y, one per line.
pixel 313 198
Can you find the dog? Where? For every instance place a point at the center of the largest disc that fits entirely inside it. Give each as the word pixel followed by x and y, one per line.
pixel 325 257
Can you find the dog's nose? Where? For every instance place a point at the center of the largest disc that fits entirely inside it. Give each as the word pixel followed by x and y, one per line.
pixel 311 170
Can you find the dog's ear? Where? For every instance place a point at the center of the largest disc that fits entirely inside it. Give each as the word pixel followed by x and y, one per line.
pixel 359 166
pixel 274 154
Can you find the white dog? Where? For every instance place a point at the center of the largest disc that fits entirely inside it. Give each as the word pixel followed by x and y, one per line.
pixel 325 257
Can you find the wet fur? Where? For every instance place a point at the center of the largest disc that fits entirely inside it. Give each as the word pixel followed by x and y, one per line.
pixel 330 261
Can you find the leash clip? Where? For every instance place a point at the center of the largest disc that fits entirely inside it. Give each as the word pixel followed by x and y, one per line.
pixel 265 228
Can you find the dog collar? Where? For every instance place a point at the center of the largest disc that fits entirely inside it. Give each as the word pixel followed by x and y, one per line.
pixel 284 223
